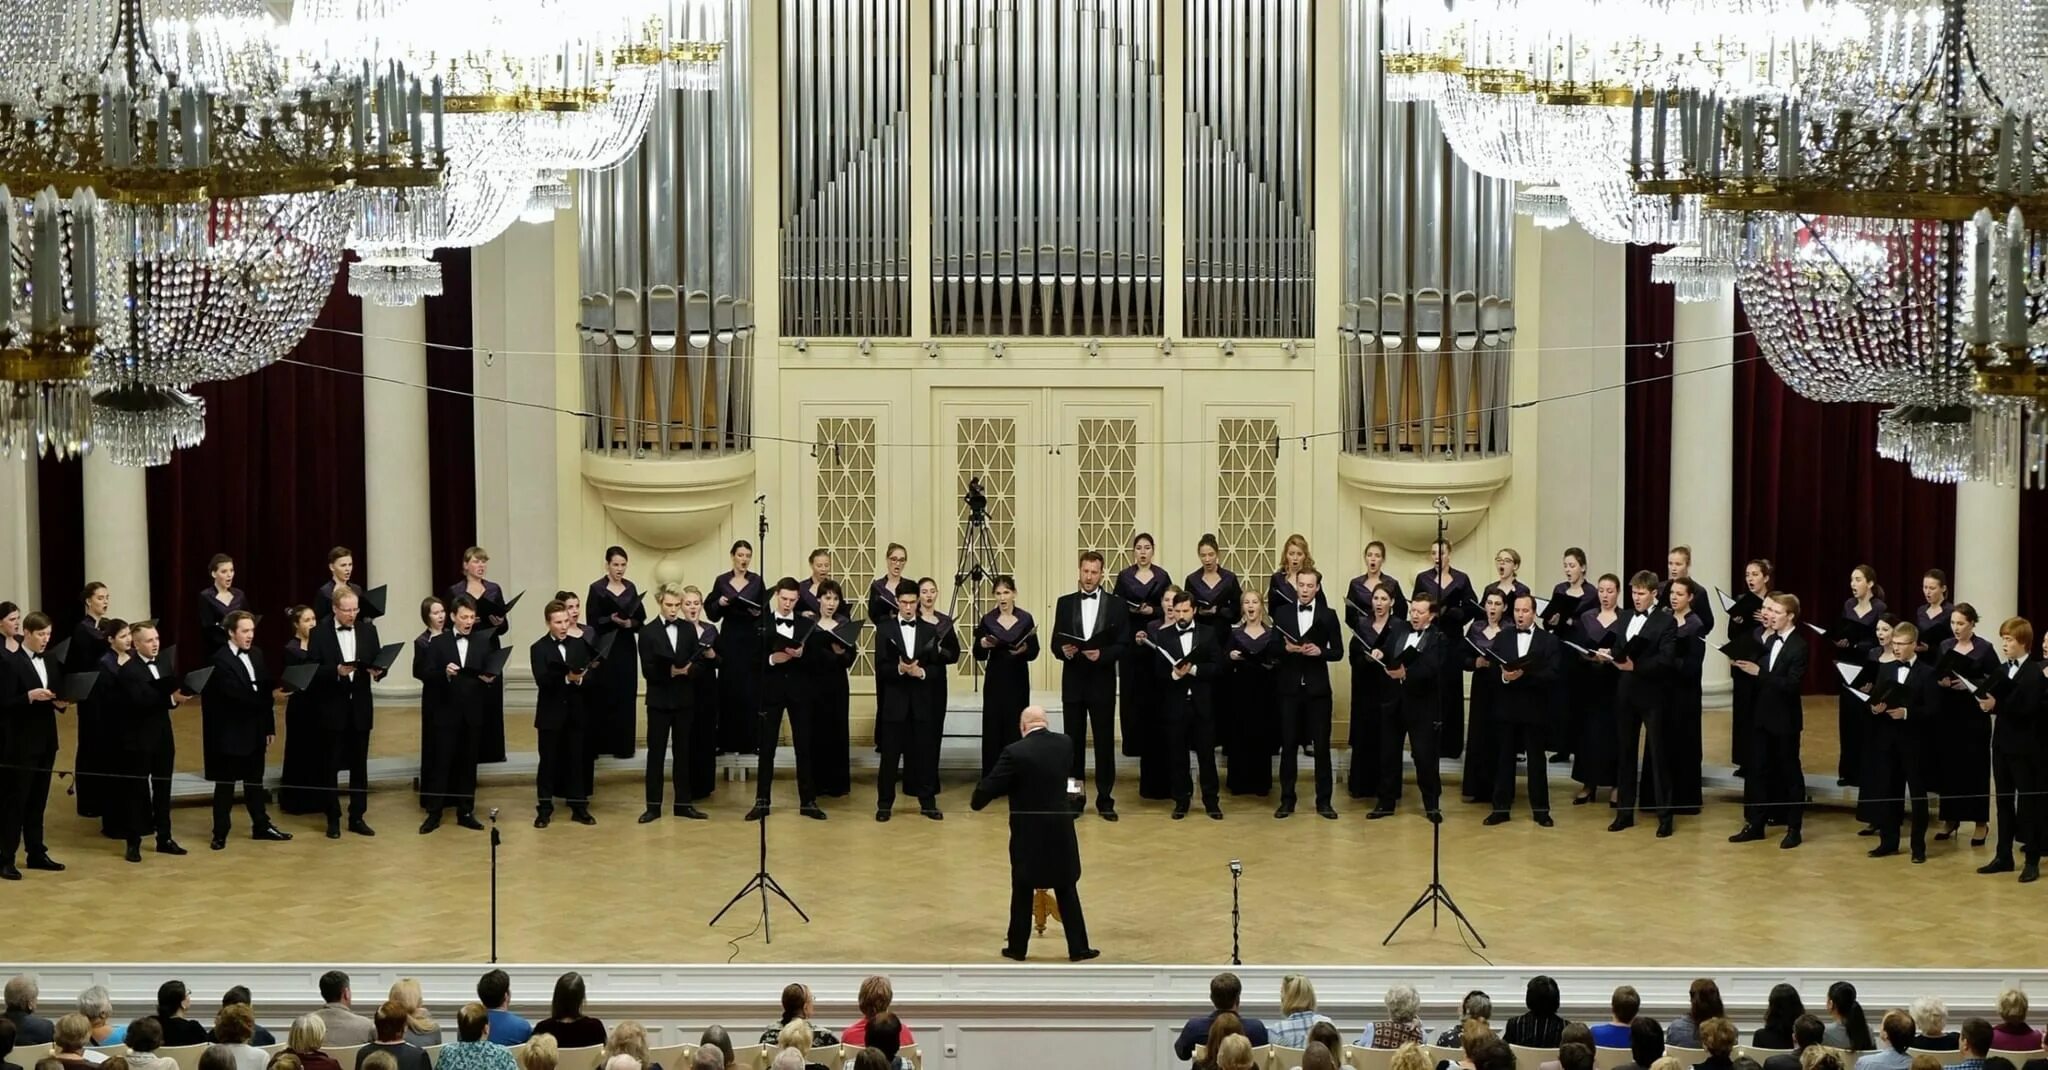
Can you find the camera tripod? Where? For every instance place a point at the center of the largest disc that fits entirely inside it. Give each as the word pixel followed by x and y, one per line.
pixel 980 563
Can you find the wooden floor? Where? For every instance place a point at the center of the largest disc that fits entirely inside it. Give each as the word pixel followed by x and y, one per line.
pixel 1155 890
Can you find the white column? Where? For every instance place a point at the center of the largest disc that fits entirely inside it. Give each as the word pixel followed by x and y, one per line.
pixel 1702 489
pixel 1987 553
pixel 1573 333
pixel 116 535
pixel 20 544
pixel 397 496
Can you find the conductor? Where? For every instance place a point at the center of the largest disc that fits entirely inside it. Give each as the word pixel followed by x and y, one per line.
pixel 1044 852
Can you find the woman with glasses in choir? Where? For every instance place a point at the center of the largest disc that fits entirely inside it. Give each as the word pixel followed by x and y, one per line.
pixel 1744 618
pixel 1682 716
pixel 1142 587
pixel 1481 756
pixel 1507 563
pixel 703 771
pixel 1281 597
pixel 216 602
pixel 1214 589
pixel 1371 689
pixel 737 600
pixel 433 682
pixel 616 608
pixel 1006 642
pixel 1250 733
pixel 307 756
pixel 831 697
pixel 1593 685
pixel 1861 609
pixel 1871 807
pixel 1932 617
pixel 1568 598
pixel 1963 748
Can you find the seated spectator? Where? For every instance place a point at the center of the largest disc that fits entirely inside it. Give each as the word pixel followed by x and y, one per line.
pixel 345 1028
pixel 708 1057
pixel 172 1001
pixel 390 1024
pixel 1221 1028
pixel 876 994
pixel 788 1059
pixel 621 1062
pixel 240 995
pixel 1325 1033
pixel 1895 1036
pixel 885 1034
pixel 1718 1036
pixel 715 1037
pixel 630 1038
pixel 1539 1027
pixel 541 1053
pixel 1615 1034
pixel 285 1060
pixel 1926 1062
pixel 1807 1032
pixel 144 1037
pixel 796 1003
pixel 22 993
pixel 868 1059
pixel 306 1039
pixel 379 1060
pixel 494 990
pixel 1823 1057
pixel 1297 1012
pixel 216 1057
pixel 1401 1025
pixel 420 1026
pixel 1574 1033
pixel 796 1035
pixel 1782 1009
pixel 120 1062
pixel 1316 1056
pixel 473 1049
pixel 1669 1063
pixel 566 1022
pixel 1478 1005
pixel 232 1030
pixel 1974 1042
pixel 1705 999
pixel 1491 1053
pixel 7 1031
pixel 1409 1057
pixel 98 1009
pixel 1225 993
pixel 68 1040
pixel 1930 1017
pixel 2012 1033
pixel 1849 1030
pixel 1472 1037
pixel 1645 1041
pixel 1236 1053
pixel 1572 1055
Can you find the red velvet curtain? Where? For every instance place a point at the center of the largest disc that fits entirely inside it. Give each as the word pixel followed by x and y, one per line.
pixel 1649 323
pixel 2033 529
pixel 277 482
pixel 1812 495
pixel 60 522
pixel 451 420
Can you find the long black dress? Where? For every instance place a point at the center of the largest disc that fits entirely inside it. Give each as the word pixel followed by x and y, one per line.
pixel 433 690
pixel 1138 699
pixel 1006 687
pixel 739 657
pixel 831 698
pixel 1742 618
pixel 307 761
pixel 1217 605
pixel 1683 723
pixel 1592 686
pixel 704 724
pixel 1963 747
pixel 1852 715
pixel 96 755
pixel 1872 807
pixel 1250 730
pixel 1934 627
pixel 616 723
pixel 1564 711
pixel 1481 755
pixel 213 620
pixel 1371 690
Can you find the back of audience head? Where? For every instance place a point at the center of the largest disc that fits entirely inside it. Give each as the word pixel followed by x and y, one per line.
pixel 1625 1003
pixel 494 989
pixel 796 1033
pixel 237 994
pixel 1297 993
pixel 97 1007
pixel 390 1021
pixel 1645 1040
pixel 542 1052
pixel 1576 1033
pixel 1317 1056
pixel 1235 1053
pixel 1225 1024
pixel 2012 1008
pixel 1705 997
pixel 147 1034
pixel 1476 1004
pixel 885 1032
pixel 569 995
pixel 1842 1001
pixel 871 1059
pixel 1744 1062
pixel 1822 1057
pixel 1783 1007
pixel 622 1061
pixel 1574 1056
pixel 1326 1034
pixel 120 1062
pixel 1403 1003
pixel 472 1022
pixel 1897 1028
pixel 796 1001
pixel 22 993
pixel 1717 1035
pixel 1924 1061
pixel 71 1033
pixel 380 1060
pixel 1976 1038
pixel 170 999
pixel 1225 991
pixel 1668 1063
pixel 1807 1030
pixel 1542 995
pixel 7 1034
pixel 1492 1053
pixel 788 1059
pixel 1996 1062
pixel 309 1031
pixel 628 1038
pixel 1409 1056
pixel 51 1062
pixel 286 1060
pixel 708 1057
pixel 876 994
pixel 715 1037
pixel 334 987
pixel 1930 1016
pixel 218 1057
pixel 235 1024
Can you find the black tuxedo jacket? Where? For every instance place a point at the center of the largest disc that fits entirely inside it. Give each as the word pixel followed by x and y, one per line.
pixel 905 700
pixel 666 691
pixel 28 730
pixel 559 703
pixel 1300 675
pixel 1044 852
pixel 2016 719
pixel 1526 699
pixel 236 716
pixel 782 683
pixel 1417 695
pixel 345 701
pixel 1778 709
pixel 1112 627
pixel 466 691
pixel 145 705
pixel 1648 685
pixel 1195 692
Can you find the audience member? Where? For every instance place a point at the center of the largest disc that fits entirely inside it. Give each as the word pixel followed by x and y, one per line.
pixel 305 1039
pixel 143 1038
pixel 1895 1035
pixel 1926 1062
pixel 1823 1057
pixel 232 1029
pixel 1718 1036
pixel 68 1040
pixel 622 1062
pixel 390 1026
pixel 172 1001
pixel 885 1034
pixel 285 1060
pixel 1408 1057
pixel 1849 1030
pixel 1478 1005
pixel 7 1030
pixel 1705 1000
pixel 420 1026
pixel 1317 1056
pixel 120 1062
pixel 866 1059
pixel 345 1028
pixel 1670 1063
pixel 1807 1032
pixel 1974 1043
pixel 1221 1028
pixel 1573 1055
pixel 1540 1027
pixel 1402 1023
pixel 239 995
pixel 1472 1038
pixel 876 995
pixel 216 1057
pixel 1325 1033
pixel 494 990
pixel 630 1038
pixel 1297 1012
pixel 1645 1041
pixel 378 1060
pixel 473 1048
pixel 22 993
pixel 2012 1033
pixel 796 1003
pixel 1615 1034
pixel 98 1009
pixel 796 1035
pixel 1781 1009
pixel 541 1053
pixel 715 1037
pixel 1930 1017
pixel 566 1022
pixel 1225 993
pixel 788 1059
pixel 1235 1054
pixel 708 1057
pixel 1492 1053
pixel 1574 1033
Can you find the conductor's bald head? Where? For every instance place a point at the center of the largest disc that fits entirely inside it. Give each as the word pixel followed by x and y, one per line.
pixel 1031 719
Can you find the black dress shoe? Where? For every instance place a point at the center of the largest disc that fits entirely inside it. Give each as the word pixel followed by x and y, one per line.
pixel 817 813
pixel 1108 813
pixel 1560 759
pixel 1215 812
pixel 45 863
pixel 432 822
pixel 9 873
pixel 1544 820
pixel 1883 850
pixel 270 832
pixel 1327 812
pixel 334 829
pixel 1017 956
pixel 541 821
pixel 1621 823
pixel 2001 864
pixel 930 809
pixel 1792 839
pixel 1436 817
pixel 582 817
pixel 2031 872
pixel 360 827
pixel 1084 955
pixel 1665 827
pixel 1495 818
pixel 1867 830
pixel 169 847
pixel 1284 810
pixel 1378 812
pixel 759 811
pixel 470 822
pixel 689 813
pixel 1180 811
pixel 652 813
pixel 220 841
pixel 882 814
pixel 134 853
pixel 1919 856
pixel 1748 834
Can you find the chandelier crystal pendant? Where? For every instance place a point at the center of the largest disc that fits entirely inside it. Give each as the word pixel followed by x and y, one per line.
pixel 48 322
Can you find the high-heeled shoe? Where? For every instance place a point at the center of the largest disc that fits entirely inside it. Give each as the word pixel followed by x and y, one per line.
pixel 1983 833
pixel 1946 834
pixel 1581 800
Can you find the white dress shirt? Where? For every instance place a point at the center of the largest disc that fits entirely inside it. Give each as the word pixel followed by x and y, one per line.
pixel 1635 625
pixel 1091 607
pixel 1187 646
pixel 154 674
pixel 42 669
pixel 248 667
pixel 346 637
pixel 1414 641
pixel 1522 641
pixel 786 627
pixel 462 651
pixel 673 642
pixel 1304 619
pixel 909 629
pixel 1771 662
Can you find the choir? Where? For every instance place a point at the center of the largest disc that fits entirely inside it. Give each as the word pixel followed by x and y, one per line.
pixel 1602 675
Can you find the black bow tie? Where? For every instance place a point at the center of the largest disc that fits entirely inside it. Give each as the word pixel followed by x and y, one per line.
pixel 2012 663
pixel 1185 628
pixel 1306 607
pixel 35 657
pixel 1089 596
pixel 1525 631
pixel 343 628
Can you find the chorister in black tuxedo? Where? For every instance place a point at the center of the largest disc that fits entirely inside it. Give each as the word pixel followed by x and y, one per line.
pixel 561 716
pixel 2014 702
pixel 239 720
pixel 344 645
pixel 148 689
pixel 1529 671
pixel 29 679
pixel 1457 605
pixel 469 665
pixel 1310 641
pixel 490 738
pixel 1647 656
pixel 1044 852
pixel 785 689
pixel 881 602
pixel 1186 664
pixel 1091 621
pixel 669 663
pixel 1904 707
pixel 906 654
pixel 1417 657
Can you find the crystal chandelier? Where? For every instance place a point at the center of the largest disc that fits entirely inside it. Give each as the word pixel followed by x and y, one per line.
pixel 45 354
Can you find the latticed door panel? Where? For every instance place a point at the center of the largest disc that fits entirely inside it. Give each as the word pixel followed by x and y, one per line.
pixel 846 504
pixel 1247 497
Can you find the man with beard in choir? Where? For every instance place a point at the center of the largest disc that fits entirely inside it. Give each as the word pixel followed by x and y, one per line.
pixel 1088 674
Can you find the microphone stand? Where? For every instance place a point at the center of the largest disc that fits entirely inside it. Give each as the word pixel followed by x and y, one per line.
pixel 495 840
pixel 1236 872
pixel 762 882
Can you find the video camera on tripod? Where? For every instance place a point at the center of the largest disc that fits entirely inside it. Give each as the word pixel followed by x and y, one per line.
pixel 977 502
